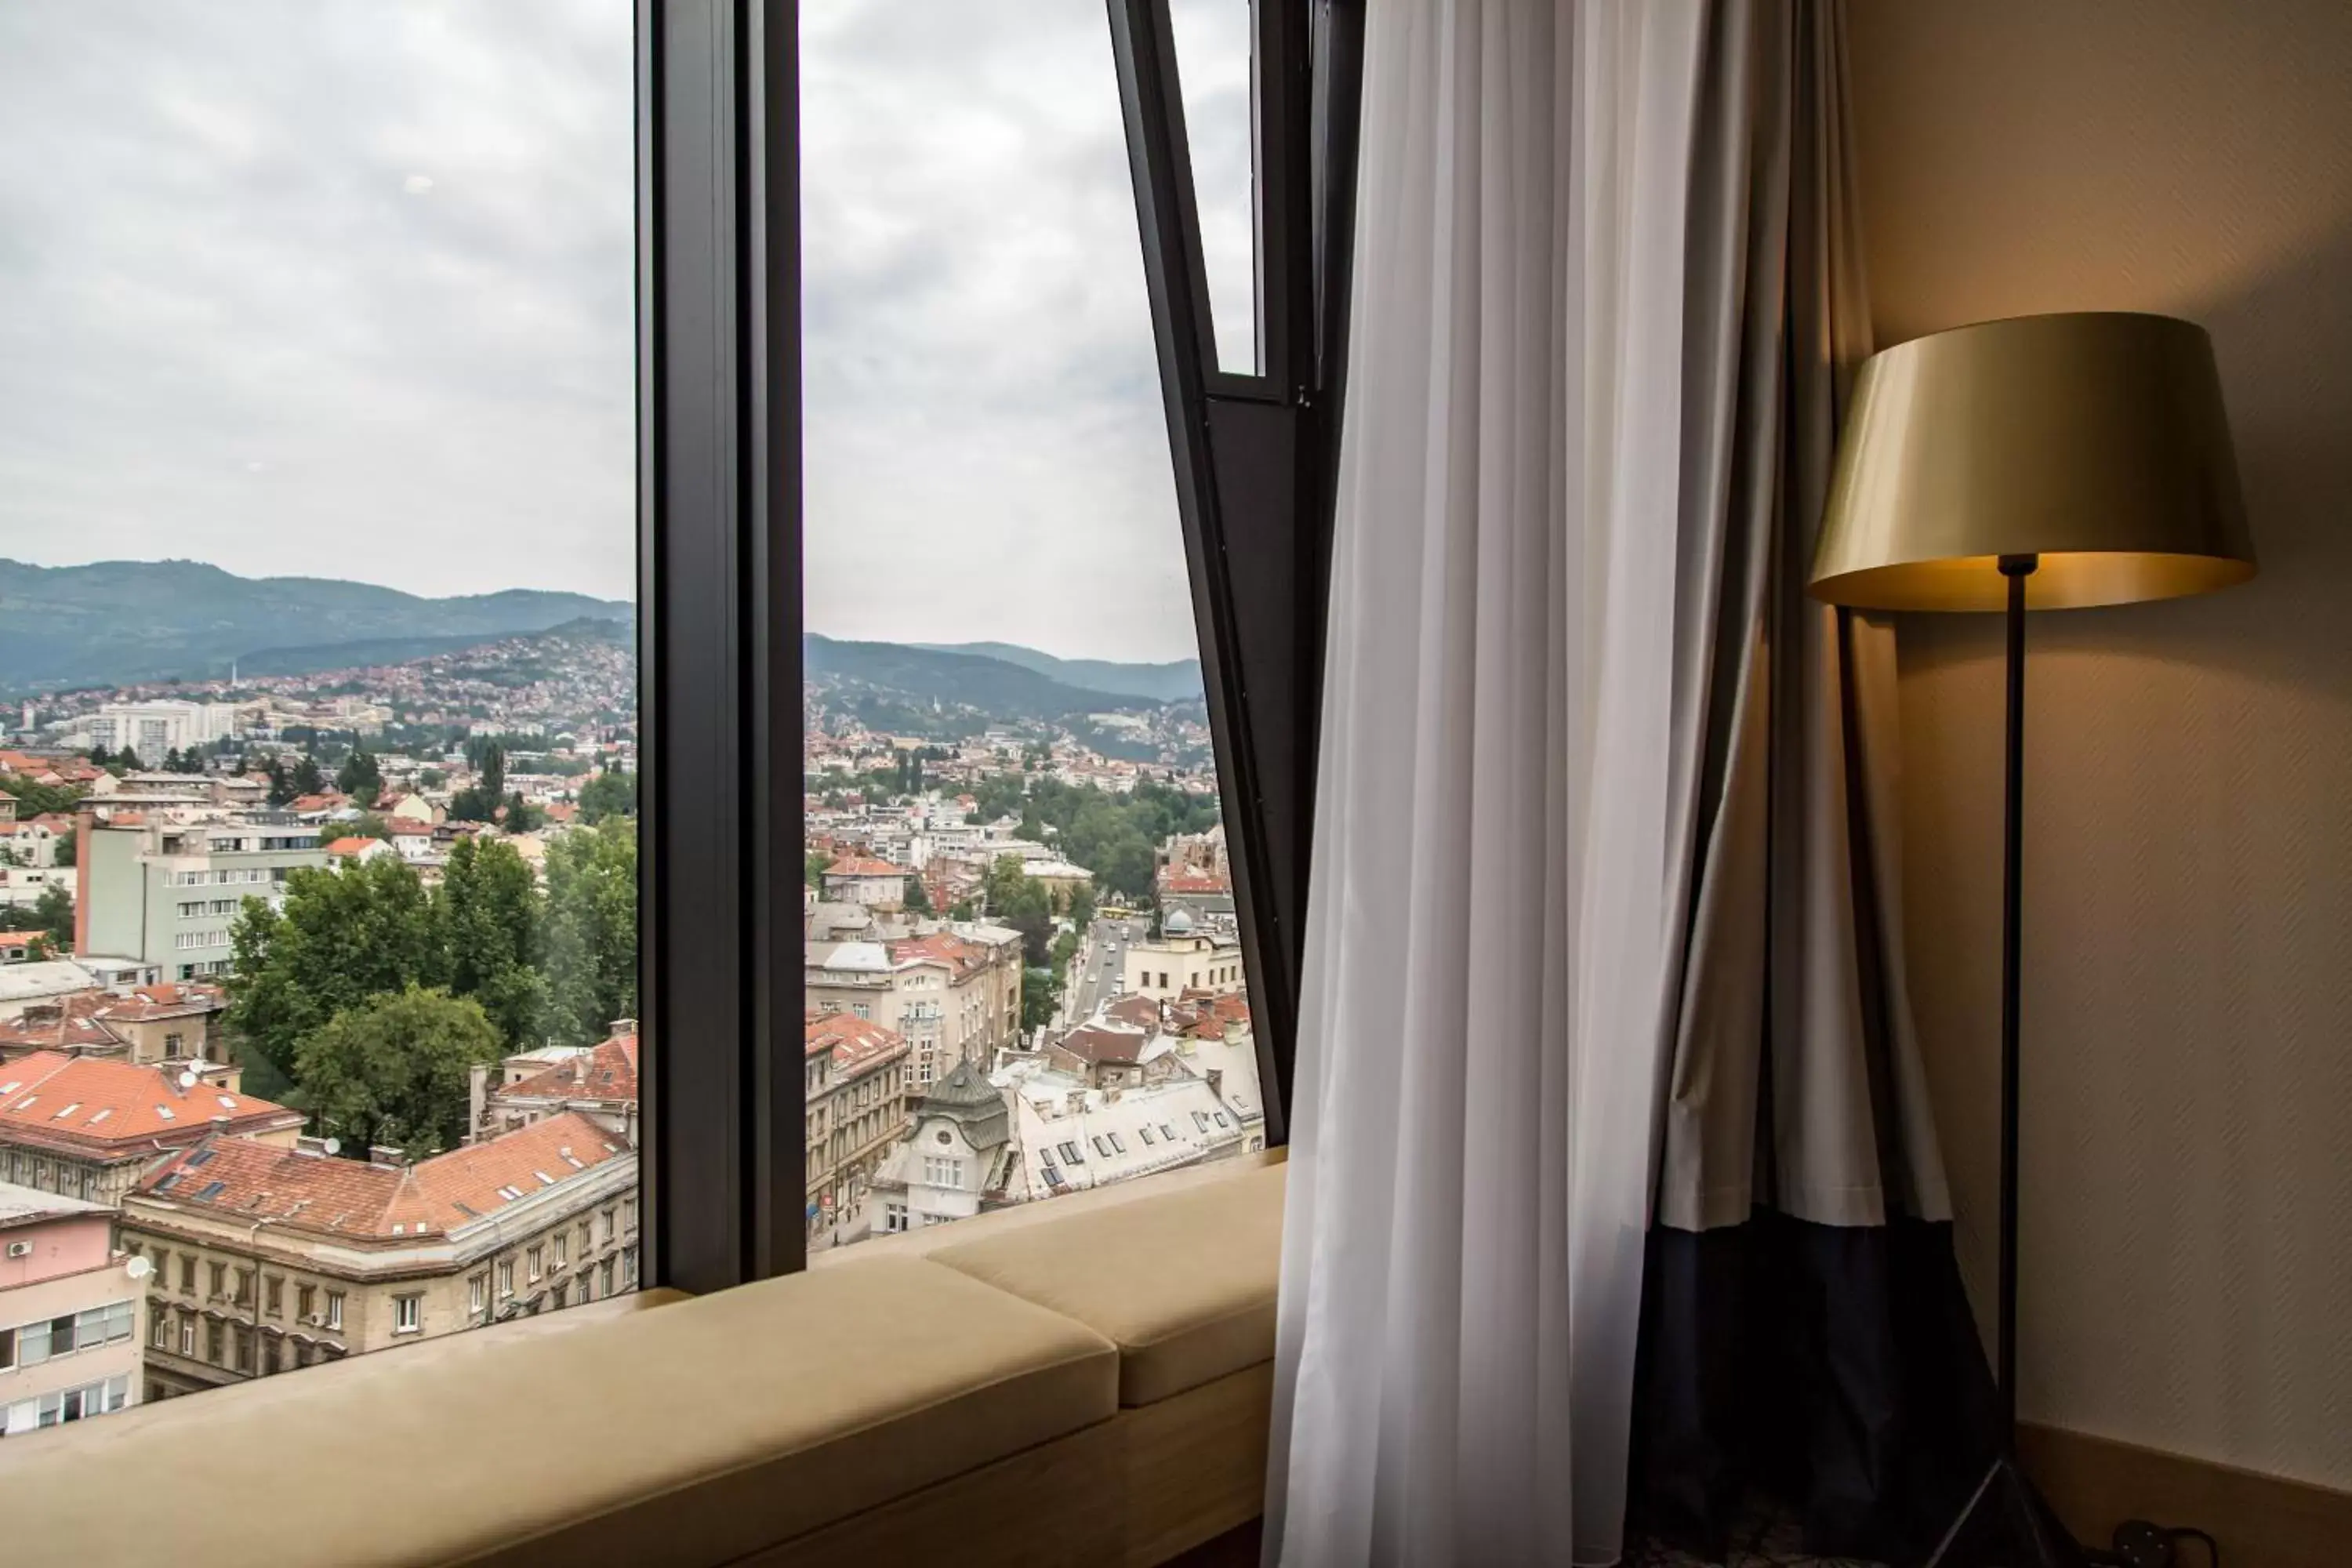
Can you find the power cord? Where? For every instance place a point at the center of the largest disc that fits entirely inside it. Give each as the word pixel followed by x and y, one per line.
pixel 2141 1544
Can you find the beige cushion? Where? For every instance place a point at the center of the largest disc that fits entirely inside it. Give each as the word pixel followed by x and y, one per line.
pixel 1183 1283
pixel 690 1435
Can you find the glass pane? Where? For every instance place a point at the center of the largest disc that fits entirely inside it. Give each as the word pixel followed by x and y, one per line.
pixel 1023 972
pixel 1215 51
pixel 318 739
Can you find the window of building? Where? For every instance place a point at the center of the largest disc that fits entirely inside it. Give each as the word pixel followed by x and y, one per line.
pixel 244 1339
pixel 942 1171
pixel 559 1244
pixel 273 1295
pixel 219 1280
pixel 187 1333
pixel 215 1339
pixel 306 1301
pixel 477 1292
pixel 334 1309
pixel 407 1314
pixel 531 1259
pixel 506 1278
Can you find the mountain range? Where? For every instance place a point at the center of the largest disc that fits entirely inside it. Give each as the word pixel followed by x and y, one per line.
pixel 119 623
pixel 123 623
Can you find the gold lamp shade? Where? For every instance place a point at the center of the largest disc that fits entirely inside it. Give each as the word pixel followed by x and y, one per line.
pixel 2095 442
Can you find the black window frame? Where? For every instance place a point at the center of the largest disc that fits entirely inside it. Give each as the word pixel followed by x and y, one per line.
pixel 722 1165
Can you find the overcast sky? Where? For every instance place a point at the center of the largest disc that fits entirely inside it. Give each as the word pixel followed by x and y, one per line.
pixel 344 288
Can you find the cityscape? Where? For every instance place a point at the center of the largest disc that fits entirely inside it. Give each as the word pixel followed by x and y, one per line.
pixel 317 974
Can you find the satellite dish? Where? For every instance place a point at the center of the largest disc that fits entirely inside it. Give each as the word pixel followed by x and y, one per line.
pixel 188 1080
pixel 138 1267
pixel 334 1145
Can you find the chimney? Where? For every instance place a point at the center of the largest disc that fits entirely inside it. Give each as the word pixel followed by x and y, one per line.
pixel 385 1159
pixel 477 1086
pixel 314 1147
pixel 623 1026
pixel 84 821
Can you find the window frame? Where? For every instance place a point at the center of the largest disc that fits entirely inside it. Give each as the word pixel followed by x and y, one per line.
pixel 721 995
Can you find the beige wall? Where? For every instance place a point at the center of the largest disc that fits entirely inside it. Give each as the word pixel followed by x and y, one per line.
pixel 2188 1222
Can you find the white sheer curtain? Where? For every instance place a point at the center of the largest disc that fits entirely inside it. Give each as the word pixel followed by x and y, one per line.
pixel 1489 951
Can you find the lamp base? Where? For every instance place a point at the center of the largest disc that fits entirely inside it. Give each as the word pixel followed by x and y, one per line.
pixel 2006 1524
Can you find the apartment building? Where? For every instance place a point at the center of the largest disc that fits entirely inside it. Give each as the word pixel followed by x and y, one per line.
pixel 1185 956
pixel 267 1258
pixel 859 879
pixel 953 992
pixel 856 1091
pixel 87 1127
pixel 166 891
pixel 154 1024
pixel 72 1315
pixel 960 1158
pixel 600 1083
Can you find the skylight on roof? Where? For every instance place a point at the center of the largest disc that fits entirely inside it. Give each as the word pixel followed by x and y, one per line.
pixel 165 1112
pixel 212 1190
pixel 99 1116
pixel 68 1111
pixel 28 1102
pixel 545 1180
pixel 227 1102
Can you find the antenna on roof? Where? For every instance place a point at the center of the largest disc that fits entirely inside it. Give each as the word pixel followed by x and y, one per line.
pixel 187 1080
pixel 333 1145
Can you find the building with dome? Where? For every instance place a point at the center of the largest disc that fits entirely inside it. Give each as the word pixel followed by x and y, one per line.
pixel 956 1161
pixel 1185 958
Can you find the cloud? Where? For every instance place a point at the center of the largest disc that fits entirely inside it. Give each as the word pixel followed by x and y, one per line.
pixel 346 286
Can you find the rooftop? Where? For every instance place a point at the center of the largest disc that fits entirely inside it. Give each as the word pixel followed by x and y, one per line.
pixel 30 1206
pixel 91 1104
pixel 323 1194
pixel 606 1071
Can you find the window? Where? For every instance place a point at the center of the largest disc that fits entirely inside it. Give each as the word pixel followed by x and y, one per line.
pixel 506 1278
pixel 7 1349
pixel 533 1257
pixel 407 1314
pixel 559 1243
pixel 477 1292
pixel 187 1333
pixel 941 1171
pixel 159 1326
pixel 504 568
pixel 604 1277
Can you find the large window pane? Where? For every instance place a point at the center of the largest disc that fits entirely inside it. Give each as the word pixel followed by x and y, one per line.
pixel 1024 975
pixel 318 856
pixel 1213 42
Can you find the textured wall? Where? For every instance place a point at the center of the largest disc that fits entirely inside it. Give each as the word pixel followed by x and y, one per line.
pixel 2188 1229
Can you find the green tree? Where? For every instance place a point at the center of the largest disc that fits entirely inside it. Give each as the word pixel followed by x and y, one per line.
pixel 366 825
pixel 591 930
pixel 431 778
pixel 813 865
pixel 360 776
pixel 99 757
pixel 343 936
pixel 1082 906
pixel 479 801
pixel 54 910
pixel 33 799
pixel 486 911
pixel 919 898
pixel 37 949
pixel 961 910
pixel 305 778
pixel 608 794
pixel 126 760
pixel 1040 993
pixel 393 1070
pixel 68 847
pixel 521 817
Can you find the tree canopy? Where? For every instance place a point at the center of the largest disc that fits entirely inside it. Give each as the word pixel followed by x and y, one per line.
pixel 393 1070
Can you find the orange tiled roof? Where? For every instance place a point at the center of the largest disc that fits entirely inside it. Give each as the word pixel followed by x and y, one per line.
pixel 859 865
pixel 609 1072
pixel 1175 881
pixel 322 1193
pixel 351 845
pixel 942 947
pixel 93 1104
pixel 857 1043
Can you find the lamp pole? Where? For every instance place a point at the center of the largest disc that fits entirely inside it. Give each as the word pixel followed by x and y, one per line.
pixel 2016 569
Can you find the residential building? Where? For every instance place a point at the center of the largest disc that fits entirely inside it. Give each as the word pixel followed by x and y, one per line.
pixel 72 1316
pixel 152 729
pixel 86 1127
pixel 267 1258
pixel 153 1024
pixel 954 992
pixel 33 981
pixel 858 879
pixel 1184 957
pixel 854 1110
pixel 959 1159
pixel 599 1082
pixel 167 891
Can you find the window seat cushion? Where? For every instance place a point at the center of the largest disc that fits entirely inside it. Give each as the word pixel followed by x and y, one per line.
pixel 1182 1282
pixel 694 1434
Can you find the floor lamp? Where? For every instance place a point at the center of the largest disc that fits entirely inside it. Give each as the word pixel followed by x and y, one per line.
pixel 2044 462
